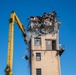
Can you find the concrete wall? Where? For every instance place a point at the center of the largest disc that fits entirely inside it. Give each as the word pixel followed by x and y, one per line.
pixel 50 60
pixel 43 42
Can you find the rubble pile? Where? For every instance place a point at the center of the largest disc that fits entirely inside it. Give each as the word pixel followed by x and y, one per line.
pixel 44 24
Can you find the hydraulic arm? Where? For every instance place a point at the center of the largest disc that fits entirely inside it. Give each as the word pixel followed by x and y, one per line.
pixel 13 19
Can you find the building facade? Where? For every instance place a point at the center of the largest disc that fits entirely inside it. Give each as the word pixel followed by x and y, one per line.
pixel 45 48
pixel 45 55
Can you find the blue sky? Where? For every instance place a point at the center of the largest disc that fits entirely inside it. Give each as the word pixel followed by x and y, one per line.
pixel 66 9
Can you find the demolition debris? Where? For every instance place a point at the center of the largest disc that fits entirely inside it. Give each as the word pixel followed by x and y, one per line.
pixel 41 25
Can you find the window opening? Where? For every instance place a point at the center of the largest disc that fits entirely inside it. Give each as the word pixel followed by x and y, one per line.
pixel 38 71
pixel 38 56
pixel 37 41
pixel 53 44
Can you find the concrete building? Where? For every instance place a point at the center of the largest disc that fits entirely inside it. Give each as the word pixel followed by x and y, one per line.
pixel 45 49
pixel 45 55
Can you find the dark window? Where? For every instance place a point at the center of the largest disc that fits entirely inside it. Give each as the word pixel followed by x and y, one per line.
pixel 38 56
pixel 37 41
pixel 38 71
pixel 53 44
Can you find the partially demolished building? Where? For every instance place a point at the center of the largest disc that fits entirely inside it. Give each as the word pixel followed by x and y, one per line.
pixel 45 49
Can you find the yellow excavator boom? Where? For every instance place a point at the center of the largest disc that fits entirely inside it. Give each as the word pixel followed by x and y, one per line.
pixel 13 19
